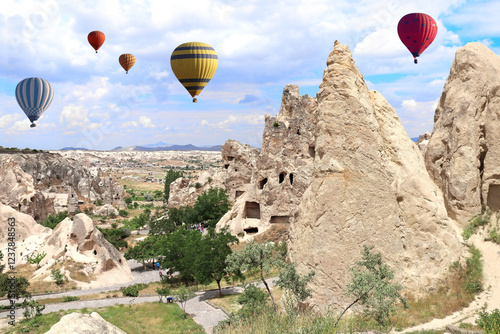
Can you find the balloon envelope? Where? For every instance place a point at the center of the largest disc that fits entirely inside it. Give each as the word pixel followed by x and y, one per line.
pixel 127 61
pixel 96 39
pixel 417 31
pixel 194 64
pixel 34 96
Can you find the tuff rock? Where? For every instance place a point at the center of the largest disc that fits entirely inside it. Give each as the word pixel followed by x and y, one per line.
pixel 369 186
pixel 78 323
pixel 463 154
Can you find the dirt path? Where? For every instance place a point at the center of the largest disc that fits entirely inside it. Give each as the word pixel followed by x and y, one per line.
pixel 489 297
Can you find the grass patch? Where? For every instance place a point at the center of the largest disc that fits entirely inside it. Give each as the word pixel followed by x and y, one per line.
pixel 136 185
pixel 227 302
pixel 458 291
pixel 480 220
pixel 142 318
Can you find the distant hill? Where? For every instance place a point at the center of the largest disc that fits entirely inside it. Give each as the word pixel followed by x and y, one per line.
pixel 158 144
pixel 188 147
pixel 73 149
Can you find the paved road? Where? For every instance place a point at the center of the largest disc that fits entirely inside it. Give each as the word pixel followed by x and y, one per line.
pixel 203 313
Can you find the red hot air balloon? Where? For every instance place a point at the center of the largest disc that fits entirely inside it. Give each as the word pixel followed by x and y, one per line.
pixel 96 39
pixel 417 31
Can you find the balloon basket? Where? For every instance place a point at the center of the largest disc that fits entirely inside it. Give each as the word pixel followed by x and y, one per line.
pixel 415 61
pixel 195 100
pixel 33 125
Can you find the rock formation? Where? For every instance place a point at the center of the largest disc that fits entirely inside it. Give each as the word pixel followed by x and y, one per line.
pixel 267 187
pixel 463 154
pixel 369 186
pixel 47 183
pixel 423 141
pixel 80 241
pixel 106 210
pixel 78 323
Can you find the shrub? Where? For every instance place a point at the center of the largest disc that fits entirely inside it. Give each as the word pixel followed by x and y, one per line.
pixel 474 271
pixel 70 299
pixel 35 259
pixel 123 213
pixel 130 291
pixel 57 276
pixel 52 220
pixel 480 220
pixel 276 124
pixel 114 225
pixel 197 185
pixel 489 323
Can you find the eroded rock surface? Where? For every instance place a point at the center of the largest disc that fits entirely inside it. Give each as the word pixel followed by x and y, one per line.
pixel 78 323
pixel 463 154
pixel 369 186
pixel 46 183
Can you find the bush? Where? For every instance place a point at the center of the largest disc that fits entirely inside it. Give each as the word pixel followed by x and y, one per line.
pixel 489 323
pixel 276 124
pixel 123 213
pixel 253 300
pixel 35 259
pixel 70 299
pixel 480 220
pixel 52 220
pixel 57 276
pixel 474 271
pixel 131 291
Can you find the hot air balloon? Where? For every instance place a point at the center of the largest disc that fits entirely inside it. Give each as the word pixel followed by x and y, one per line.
pixel 417 31
pixel 34 96
pixel 194 64
pixel 127 61
pixel 96 39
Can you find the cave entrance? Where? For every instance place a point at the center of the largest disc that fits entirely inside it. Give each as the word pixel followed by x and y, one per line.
pixel 494 197
pixel 312 152
pixel 262 183
pixel 280 219
pixel 238 193
pixel 282 177
pixel 252 210
pixel 251 230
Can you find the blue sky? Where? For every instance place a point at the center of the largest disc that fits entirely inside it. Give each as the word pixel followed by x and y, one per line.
pixel 262 46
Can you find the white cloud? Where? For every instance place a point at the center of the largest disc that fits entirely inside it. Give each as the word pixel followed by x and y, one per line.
pixel 7 120
pixel 74 116
pixel 146 122
pixel 129 124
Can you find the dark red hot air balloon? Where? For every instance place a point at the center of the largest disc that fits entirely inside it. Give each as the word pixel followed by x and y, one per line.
pixel 417 31
pixel 96 39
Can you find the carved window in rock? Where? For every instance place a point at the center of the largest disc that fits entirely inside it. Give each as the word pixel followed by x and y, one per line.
pixel 291 178
pixel 252 210
pixel 312 151
pixel 238 193
pixel 262 183
pixel 282 177
pixel 251 230
pixel 229 158
pixel 226 166
pixel 493 200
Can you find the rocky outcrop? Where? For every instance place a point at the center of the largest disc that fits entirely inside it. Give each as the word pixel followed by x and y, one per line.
pixel 369 186
pixel 81 241
pixel 106 210
pixel 423 141
pixel 463 154
pixel 47 183
pixel 267 187
pixel 28 234
pixel 78 323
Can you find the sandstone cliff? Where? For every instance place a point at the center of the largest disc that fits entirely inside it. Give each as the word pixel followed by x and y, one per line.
pixel 46 183
pixel 369 186
pixel 463 154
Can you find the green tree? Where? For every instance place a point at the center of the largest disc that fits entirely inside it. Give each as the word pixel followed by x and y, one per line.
pixel 21 289
pixel 52 220
pixel 182 295
pixel 171 176
pixel 175 218
pixel 163 292
pixel 253 257
pixel 372 287
pixel 295 287
pixel 146 250
pixel 179 252
pixel 253 301
pixel 210 264
pixel 211 205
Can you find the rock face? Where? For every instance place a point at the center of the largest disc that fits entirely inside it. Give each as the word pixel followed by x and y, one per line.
pixel 369 186
pixel 78 323
pixel 106 210
pixel 423 141
pixel 29 235
pixel 82 242
pixel 47 183
pixel 267 186
pixel 463 154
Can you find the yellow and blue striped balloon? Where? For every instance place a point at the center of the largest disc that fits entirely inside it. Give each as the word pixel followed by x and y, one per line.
pixel 194 64
pixel 34 96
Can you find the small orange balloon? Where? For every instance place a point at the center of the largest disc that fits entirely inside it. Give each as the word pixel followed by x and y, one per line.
pixel 127 61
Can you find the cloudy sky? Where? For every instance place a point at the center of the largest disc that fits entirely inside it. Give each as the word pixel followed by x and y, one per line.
pixel 262 46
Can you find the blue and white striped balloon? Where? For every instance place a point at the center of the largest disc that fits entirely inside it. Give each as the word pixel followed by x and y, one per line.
pixel 34 96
